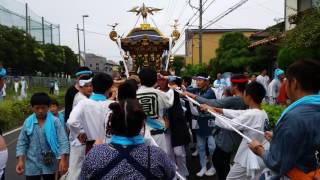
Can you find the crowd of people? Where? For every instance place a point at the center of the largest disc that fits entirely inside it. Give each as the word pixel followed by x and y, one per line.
pixel 275 88
pixel 143 127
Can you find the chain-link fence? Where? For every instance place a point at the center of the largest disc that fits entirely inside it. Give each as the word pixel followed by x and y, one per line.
pixel 19 15
pixel 34 81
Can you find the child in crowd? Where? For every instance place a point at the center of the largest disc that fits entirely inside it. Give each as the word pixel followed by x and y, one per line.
pixel 42 141
pixel 54 109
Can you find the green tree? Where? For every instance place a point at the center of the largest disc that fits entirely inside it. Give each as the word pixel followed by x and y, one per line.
pixel 232 55
pixel 262 56
pixel 54 59
pixel 71 63
pixel 192 70
pixel 306 34
pixel 17 50
pixel 178 63
pixel 302 42
pixel 287 56
pixel 22 53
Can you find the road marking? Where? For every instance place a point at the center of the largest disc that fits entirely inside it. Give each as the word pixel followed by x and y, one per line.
pixel 12 131
pixel 12 142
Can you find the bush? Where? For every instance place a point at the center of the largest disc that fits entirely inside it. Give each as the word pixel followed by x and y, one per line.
pixel 302 42
pixel 59 98
pixel 13 113
pixel 274 113
pixel 192 70
pixel 287 56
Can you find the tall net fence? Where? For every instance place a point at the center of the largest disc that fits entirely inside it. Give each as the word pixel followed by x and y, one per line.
pixel 19 15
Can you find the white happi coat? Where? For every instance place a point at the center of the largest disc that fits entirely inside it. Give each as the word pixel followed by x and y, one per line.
pixel 154 102
pixel 90 117
pixel 255 118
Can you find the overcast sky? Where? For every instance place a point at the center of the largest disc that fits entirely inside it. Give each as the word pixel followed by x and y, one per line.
pixel 257 14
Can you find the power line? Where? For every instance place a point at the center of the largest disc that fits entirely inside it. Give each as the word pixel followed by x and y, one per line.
pixel 225 13
pixel 93 32
pixel 219 17
pixel 209 5
pixel 172 11
pixel 183 10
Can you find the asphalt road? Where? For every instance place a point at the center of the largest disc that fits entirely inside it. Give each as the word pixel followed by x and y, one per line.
pixel 11 140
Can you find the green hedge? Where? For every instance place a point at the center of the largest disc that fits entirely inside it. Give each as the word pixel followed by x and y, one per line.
pixel 274 113
pixel 13 113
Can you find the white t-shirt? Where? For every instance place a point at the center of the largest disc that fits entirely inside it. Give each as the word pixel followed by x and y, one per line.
pixel 264 80
pixel 256 119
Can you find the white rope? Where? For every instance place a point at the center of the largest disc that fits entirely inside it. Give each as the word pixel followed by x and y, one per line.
pixel 233 128
pixel 169 53
pixel 122 57
pixel 222 119
pixel 237 123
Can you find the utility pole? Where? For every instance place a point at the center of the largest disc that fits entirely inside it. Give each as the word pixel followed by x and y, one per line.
pixel 59 34
pixel 42 22
pixel 84 36
pixel 79 55
pixel 27 25
pixel 51 34
pixel 200 32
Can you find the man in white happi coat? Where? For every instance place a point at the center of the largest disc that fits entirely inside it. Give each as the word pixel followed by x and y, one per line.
pixel 154 102
pixel 77 149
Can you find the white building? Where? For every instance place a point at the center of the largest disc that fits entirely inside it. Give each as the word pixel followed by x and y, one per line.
pixel 99 64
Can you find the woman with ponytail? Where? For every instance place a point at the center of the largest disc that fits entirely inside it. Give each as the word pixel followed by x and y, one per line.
pixel 127 156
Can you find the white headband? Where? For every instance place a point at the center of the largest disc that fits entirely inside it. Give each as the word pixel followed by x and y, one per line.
pixel 202 77
pixel 83 82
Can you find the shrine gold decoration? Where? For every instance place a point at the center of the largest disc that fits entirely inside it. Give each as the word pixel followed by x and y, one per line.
pixel 145 44
pixel 113 35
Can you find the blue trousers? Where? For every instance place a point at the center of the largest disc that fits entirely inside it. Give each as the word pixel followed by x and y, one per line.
pixel 201 143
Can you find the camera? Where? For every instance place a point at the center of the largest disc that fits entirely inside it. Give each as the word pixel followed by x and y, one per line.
pixel 48 158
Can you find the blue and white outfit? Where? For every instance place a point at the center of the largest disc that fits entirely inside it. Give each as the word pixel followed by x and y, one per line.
pixel 206 124
pixel 218 87
pixel 33 141
pixel 296 137
pixel 274 87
